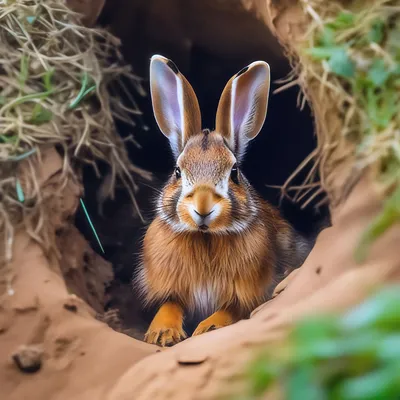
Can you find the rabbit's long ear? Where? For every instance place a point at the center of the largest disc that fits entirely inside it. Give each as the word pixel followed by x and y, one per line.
pixel 243 106
pixel 175 104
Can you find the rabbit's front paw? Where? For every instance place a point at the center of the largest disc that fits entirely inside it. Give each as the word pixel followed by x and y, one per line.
pixel 164 336
pixel 218 320
pixel 166 327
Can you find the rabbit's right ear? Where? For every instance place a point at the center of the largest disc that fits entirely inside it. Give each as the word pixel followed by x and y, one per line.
pixel 243 106
pixel 175 104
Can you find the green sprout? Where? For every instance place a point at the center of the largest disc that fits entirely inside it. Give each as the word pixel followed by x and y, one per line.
pixel 83 92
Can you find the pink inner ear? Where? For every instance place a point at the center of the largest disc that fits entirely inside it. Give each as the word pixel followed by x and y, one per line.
pixel 168 90
pixel 240 111
pixel 244 109
pixel 249 101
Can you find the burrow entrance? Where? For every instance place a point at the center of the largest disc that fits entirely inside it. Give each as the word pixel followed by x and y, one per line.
pixel 209 44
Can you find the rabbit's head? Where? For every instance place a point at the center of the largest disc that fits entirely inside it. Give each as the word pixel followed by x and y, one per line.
pixel 207 190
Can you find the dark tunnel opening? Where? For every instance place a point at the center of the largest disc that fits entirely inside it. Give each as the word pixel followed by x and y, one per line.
pixel 286 139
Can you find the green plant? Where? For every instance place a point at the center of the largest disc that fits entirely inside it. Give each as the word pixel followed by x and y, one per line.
pixel 355 356
pixel 355 56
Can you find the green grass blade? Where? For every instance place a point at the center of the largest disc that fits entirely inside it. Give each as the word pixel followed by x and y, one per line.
pixel 22 156
pixel 83 92
pixel 91 225
pixel 20 192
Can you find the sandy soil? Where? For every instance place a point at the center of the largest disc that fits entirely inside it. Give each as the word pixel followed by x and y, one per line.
pixel 51 344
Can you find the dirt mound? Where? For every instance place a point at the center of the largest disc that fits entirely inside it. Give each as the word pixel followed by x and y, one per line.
pixel 330 281
pixel 50 336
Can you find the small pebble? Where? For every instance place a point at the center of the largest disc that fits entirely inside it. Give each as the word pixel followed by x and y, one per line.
pixel 28 358
pixel 71 307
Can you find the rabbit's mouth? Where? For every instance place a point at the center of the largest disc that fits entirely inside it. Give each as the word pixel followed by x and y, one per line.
pixel 205 220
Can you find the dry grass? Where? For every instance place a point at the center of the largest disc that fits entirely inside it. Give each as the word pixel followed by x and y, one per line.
pixel 369 126
pixel 348 64
pixel 56 80
pixel 367 94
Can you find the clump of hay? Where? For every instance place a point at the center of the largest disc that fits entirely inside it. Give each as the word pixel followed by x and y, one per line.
pixel 348 64
pixel 55 90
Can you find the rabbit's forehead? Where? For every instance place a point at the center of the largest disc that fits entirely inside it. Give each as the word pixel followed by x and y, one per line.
pixel 206 156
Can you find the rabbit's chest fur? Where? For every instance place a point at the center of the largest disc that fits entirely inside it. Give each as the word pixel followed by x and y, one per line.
pixel 206 272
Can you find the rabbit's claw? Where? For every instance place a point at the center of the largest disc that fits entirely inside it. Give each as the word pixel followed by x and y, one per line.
pixel 218 320
pixel 164 336
pixel 166 328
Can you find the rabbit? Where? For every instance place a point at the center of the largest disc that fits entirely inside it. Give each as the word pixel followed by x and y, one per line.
pixel 215 246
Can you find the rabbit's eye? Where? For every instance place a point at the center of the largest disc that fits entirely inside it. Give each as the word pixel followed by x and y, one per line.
pixel 177 172
pixel 235 174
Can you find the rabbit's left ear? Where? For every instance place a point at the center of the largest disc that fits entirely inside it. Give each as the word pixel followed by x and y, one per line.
pixel 243 106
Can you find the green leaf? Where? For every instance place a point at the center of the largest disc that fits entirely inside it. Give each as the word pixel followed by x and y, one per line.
pixel 388 108
pixel 321 53
pixel 40 115
pixel 318 350
pixel 381 105
pixel 378 74
pixel 377 31
pixel 341 64
pixel 359 84
pixel 381 384
pixel 381 311
pixel 2 100
pixel 343 20
pixel 47 79
pixel 314 328
pixel 327 38
pixel 263 373
pixel 389 347
pixel 395 70
pixel 7 139
pixel 334 348
pixel 302 384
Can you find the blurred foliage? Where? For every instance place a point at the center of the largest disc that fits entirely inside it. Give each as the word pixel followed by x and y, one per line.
pixel 357 55
pixel 355 356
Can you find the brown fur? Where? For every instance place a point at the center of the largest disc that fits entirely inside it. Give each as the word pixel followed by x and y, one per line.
pixel 240 266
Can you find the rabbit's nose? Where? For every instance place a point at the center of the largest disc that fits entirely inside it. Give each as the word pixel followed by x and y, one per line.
pixel 203 202
pixel 203 216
